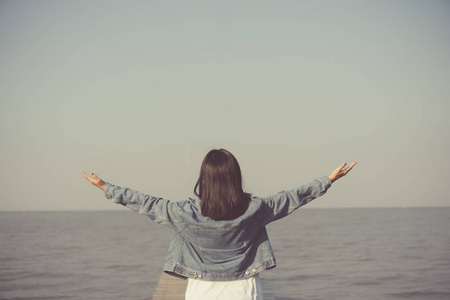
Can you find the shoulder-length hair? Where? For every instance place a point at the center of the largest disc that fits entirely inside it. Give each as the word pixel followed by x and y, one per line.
pixel 219 186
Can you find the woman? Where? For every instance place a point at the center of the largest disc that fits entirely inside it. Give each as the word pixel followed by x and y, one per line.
pixel 220 241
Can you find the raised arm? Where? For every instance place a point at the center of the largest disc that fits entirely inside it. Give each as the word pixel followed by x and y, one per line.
pixel 160 210
pixel 285 202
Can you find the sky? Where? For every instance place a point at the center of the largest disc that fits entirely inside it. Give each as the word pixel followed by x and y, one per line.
pixel 139 91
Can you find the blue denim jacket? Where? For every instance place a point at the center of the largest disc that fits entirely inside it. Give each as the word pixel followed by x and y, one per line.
pixel 202 248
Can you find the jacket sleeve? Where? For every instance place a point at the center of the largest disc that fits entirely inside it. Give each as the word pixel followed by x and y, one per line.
pixel 282 204
pixel 161 211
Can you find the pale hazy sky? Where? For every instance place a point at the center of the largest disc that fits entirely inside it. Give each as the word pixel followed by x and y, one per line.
pixel 140 91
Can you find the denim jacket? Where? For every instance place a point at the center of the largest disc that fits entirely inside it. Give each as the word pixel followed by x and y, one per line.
pixel 202 248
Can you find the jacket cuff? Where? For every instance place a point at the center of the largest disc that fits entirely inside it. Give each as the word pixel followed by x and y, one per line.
pixel 324 179
pixel 109 190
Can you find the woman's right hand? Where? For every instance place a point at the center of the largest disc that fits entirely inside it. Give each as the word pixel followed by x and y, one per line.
pixel 95 181
pixel 339 172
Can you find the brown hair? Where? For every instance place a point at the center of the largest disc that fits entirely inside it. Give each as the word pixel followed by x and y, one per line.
pixel 219 186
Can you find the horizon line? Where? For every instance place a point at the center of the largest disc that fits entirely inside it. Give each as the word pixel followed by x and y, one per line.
pixel 123 210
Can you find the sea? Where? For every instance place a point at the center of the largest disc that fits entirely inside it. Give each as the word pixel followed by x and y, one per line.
pixel 358 253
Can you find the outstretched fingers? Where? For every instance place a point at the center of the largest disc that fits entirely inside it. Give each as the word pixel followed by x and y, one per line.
pixel 341 171
pixel 95 180
pixel 349 168
pixel 341 167
pixel 87 177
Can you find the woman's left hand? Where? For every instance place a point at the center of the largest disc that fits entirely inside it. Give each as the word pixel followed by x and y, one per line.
pixel 340 172
pixel 95 181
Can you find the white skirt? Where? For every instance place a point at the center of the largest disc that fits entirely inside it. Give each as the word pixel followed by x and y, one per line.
pixel 243 289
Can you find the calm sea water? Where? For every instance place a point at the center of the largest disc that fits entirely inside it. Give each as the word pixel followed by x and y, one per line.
pixel 321 254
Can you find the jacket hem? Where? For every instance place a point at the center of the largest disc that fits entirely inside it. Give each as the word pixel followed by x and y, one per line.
pixel 184 272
